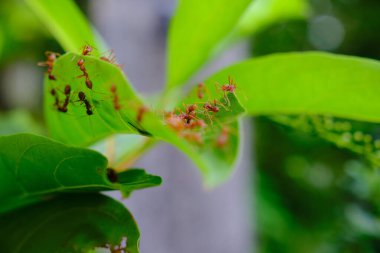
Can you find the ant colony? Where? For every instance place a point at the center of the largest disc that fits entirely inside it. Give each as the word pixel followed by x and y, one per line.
pixel 198 122
pixel 68 96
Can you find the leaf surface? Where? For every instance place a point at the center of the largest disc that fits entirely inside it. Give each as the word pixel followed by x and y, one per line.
pixel 33 166
pixel 78 128
pixel 307 83
pixel 196 31
pixel 69 223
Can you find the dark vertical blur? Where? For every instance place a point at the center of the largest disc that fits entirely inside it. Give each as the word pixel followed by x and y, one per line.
pixel 313 197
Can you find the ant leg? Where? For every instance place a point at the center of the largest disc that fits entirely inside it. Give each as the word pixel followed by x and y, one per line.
pixel 218 86
pixel 208 116
pixel 221 104
pixel 225 95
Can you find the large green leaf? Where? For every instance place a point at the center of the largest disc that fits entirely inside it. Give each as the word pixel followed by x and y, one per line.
pixel 200 29
pixel 67 23
pixel 76 127
pixel 307 83
pixel 33 166
pixel 262 13
pixel 71 223
pixel 197 30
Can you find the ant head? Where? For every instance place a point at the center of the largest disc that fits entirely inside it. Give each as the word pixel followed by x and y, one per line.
pixel 88 48
pixel 51 56
pixel 81 95
pixel 52 77
pixel 191 108
pixel 62 109
pixel 89 112
pixel 80 62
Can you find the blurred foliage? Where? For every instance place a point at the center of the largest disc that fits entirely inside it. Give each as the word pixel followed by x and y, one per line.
pixel 19 121
pixel 20 31
pixel 314 197
pixel 321 197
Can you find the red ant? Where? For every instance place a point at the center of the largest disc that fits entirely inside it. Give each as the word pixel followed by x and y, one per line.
pixel 53 92
pixel 115 100
pixel 82 98
pixel 174 121
pixel 87 49
pixel 115 249
pixel 190 113
pixel 111 58
pixel 80 64
pixel 211 107
pixel 193 137
pixel 230 87
pixel 191 109
pixel 88 83
pixel 51 57
pixel 140 113
pixel 200 91
pixel 223 138
pixel 197 123
pixel 67 91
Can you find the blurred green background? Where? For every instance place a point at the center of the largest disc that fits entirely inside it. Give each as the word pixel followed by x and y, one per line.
pixel 310 196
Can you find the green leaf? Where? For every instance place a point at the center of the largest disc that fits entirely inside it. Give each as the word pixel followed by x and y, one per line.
pixel 76 126
pixel 262 13
pixel 33 166
pixel 197 30
pixel 307 83
pixel 215 161
pixel 67 23
pixel 69 223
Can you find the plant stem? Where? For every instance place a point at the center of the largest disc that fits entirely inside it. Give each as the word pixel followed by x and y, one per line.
pixel 131 157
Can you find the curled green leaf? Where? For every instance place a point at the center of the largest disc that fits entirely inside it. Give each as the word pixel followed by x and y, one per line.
pixel 33 166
